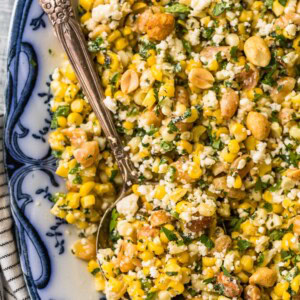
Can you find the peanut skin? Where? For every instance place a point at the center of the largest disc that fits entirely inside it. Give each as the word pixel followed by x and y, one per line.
pixel 265 277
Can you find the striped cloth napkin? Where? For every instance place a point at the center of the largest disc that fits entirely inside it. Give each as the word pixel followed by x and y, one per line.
pixel 10 269
pixel 11 276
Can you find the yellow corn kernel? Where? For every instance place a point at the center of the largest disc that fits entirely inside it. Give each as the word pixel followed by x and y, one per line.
pixel 99 283
pixel 208 273
pixel 108 91
pixel 71 92
pixel 246 16
pixel 257 5
pixel 58 88
pixel 128 125
pixel 177 194
pixel 287 35
pixel 86 188
pixel 62 170
pixel 121 43
pixel 85 17
pixel 193 117
pixel 167 90
pixel 289 241
pixel 113 36
pixel 237 182
pixel 115 285
pixel 185 145
pixel 92 266
pixel 86 4
pixel 160 192
pixel 250 143
pixel 127 30
pixel 88 201
pixel 208 261
pixel 213 66
pixel 239 132
pixel 138 6
pixel 176 286
pixel 197 132
pixel 183 257
pixel 233 146
pixel 62 214
pixel 247 263
pixel 169 227
pixel 295 283
pixel 158 249
pixel 277 208
pixel 156 73
pixel 286 295
pixel 205 20
pixel 114 61
pixel 280 288
pixel 144 153
pixel 61 121
pixel 241 61
pixel 69 72
pixel 77 105
pixel 228 157
pixel 108 269
pixel 149 99
pixel 241 28
pixel 74 119
pixel 221 130
pixel 296 44
pixel 194 171
pixel 147 255
pixel 182 206
pixel 103 188
pixel 73 199
pixel 277 8
pixel 248 228
pixel 193 64
pixel 267 196
pixel 70 218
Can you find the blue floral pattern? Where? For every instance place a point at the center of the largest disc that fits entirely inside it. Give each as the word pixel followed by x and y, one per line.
pixel 42 242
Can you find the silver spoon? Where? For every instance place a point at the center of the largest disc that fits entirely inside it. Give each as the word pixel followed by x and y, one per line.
pixel 68 31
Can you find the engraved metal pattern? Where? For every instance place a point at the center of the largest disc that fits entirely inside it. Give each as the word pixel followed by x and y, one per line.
pixel 59 11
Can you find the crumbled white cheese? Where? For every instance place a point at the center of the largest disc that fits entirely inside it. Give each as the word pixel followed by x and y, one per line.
pixel 128 205
pixel 110 103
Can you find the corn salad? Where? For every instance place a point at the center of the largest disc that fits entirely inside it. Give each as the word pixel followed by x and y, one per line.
pixel 206 95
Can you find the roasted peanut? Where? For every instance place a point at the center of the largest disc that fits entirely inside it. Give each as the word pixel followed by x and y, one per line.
pixel 127 259
pixel 230 285
pixel 77 136
pixel 285 85
pixel 181 175
pixel 147 231
pixel 201 78
pixel 264 276
pixel 143 19
pixel 258 124
pixel 158 218
pixel 99 29
pixel 285 115
pixel 199 223
pixel 129 81
pixel 293 174
pixel 182 95
pixel 257 51
pixel 220 167
pixel 87 154
pixel 152 118
pixel 252 292
pixel 248 79
pixel 229 103
pixel 210 52
pixel 220 184
pixel 223 243
pixel 237 165
pixel 284 20
pixel 296 222
pixel 85 248
pixel 159 26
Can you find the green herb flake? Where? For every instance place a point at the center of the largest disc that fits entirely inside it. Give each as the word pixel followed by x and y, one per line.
pixel 268 207
pixel 151 296
pixel 113 220
pixel 233 53
pixel 95 46
pixel 172 273
pixel 219 8
pixel 260 259
pixel 225 271
pixel 95 271
pixel 243 245
pixel 169 234
pixel 204 239
pixel 178 8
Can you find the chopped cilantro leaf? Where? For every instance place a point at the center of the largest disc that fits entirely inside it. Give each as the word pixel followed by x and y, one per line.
pixel 219 8
pixel 169 234
pixel 204 239
pixel 243 245
pixel 177 8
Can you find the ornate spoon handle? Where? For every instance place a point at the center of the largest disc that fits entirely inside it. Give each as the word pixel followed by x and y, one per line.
pixel 61 15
